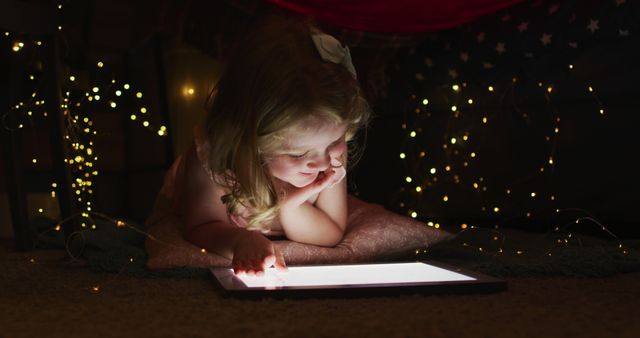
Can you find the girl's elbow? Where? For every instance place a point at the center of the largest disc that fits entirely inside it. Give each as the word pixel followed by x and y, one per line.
pixel 335 238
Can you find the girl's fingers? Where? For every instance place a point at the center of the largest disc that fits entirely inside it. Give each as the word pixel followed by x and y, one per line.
pixel 268 261
pixel 279 263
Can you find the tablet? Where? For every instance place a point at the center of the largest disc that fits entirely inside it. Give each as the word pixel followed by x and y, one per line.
pixel 358 280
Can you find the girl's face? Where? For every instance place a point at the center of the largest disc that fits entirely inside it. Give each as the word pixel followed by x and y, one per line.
pixel 306 150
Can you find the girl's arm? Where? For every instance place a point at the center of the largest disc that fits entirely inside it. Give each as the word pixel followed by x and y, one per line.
pixel 206 223
pixel 323 223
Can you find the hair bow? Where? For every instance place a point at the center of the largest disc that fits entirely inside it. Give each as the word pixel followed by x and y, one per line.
pixel 331 50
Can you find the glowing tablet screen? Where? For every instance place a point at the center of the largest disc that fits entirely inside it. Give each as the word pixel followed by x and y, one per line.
pixel 391 273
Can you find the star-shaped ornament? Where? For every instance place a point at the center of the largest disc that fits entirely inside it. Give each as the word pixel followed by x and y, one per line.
pixel 464 56
pixel 523 26
pixel 428 62
pixel 546 39
pixel 480 37
pixel 593 25
pixel 500 48
pixel 553 9
pixel 453 73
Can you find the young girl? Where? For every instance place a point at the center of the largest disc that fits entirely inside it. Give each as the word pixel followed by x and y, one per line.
pixel 273 157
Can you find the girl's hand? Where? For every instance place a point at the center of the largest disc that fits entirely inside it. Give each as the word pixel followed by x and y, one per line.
pixel 253 253
pixel 292 197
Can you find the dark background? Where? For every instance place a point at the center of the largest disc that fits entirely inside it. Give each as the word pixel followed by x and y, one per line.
pixel 154 46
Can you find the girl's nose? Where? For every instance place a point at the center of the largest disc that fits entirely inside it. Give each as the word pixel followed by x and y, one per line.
pixel 320 162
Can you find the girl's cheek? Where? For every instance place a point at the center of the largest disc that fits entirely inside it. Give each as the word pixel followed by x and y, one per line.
pixel 338 149
pixel 289 165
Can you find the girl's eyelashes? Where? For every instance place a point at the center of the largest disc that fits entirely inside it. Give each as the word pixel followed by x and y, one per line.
pixel 331 146
pixel 297 156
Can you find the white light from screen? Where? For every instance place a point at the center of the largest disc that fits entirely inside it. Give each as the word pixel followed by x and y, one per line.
pixel 390 273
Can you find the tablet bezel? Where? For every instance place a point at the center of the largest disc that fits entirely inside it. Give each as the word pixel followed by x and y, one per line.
pixel 233 286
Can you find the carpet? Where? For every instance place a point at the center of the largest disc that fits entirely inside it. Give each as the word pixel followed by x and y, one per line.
pixel 41 295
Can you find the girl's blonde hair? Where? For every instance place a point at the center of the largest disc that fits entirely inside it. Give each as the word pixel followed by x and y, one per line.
pixel 274 80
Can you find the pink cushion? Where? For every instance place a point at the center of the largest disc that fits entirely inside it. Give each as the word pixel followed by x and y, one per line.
pixel 373 234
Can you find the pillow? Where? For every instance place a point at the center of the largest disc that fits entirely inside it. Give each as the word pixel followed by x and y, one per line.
pixel 373 234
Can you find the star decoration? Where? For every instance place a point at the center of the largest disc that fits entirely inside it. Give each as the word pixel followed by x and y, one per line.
pixel 480 37
pixel 419 77
pixel 553 9
pixel 506 17
pixel 464 56
pixel 500 48
pixel 428 62
pixel 546 39
pixel 523 26
pixel 453 73
pixel 593 26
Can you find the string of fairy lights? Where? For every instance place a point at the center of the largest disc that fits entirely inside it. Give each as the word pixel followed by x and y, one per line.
pixel 80 99
pixel 450 166
pixel 83 94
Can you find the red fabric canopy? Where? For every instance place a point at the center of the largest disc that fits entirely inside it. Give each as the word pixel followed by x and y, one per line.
pixel 397 16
